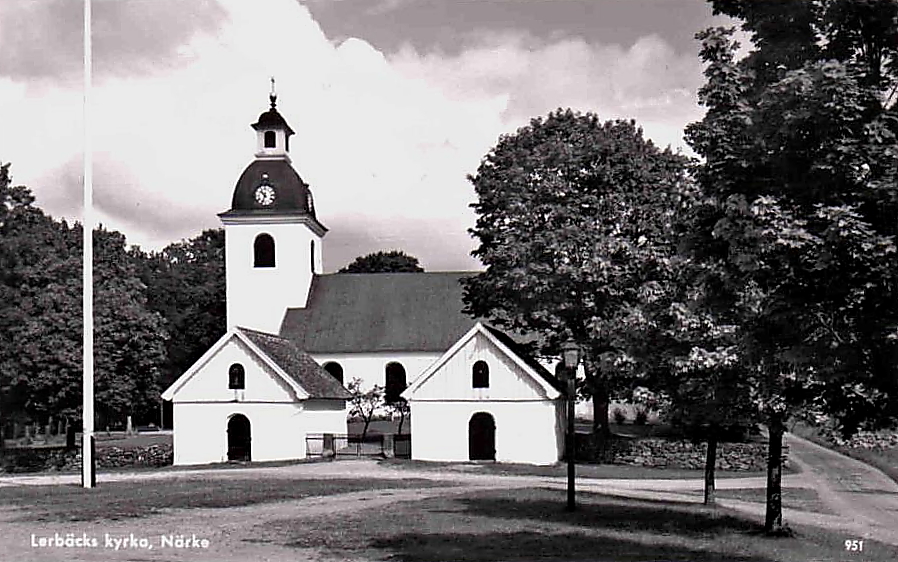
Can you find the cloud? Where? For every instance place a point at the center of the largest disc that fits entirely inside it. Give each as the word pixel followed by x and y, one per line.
pixel 44 39
pixel 648 80
pixel 384 139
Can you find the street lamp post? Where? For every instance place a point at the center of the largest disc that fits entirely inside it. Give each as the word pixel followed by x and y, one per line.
pixel 570 354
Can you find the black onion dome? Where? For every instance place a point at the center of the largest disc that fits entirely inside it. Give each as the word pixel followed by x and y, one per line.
pixel 291 193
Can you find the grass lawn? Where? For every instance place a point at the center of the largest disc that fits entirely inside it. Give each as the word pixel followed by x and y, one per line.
pixel 603 471
pixel 532 525
pixel 122 500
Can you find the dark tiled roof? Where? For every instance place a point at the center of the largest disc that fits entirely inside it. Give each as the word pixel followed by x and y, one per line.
pixel 298 365
pixel 364 312
pixel 527 358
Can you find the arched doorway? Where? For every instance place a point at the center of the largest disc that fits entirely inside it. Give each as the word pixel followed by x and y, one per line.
pixel 239 438
pixel 482 437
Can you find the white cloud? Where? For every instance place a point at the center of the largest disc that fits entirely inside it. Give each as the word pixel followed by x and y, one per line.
pixel 647 81
pixel 384 141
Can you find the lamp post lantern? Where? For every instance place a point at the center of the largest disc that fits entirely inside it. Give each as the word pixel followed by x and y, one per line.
pixel 570 355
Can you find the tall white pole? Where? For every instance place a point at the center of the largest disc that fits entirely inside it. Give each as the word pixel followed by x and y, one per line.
pixel 88 478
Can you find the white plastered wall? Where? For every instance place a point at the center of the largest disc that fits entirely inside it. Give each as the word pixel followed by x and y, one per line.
pixel 526 432
pixel 258 297
pixel 528 423
pixel 279 421
pixel 371 367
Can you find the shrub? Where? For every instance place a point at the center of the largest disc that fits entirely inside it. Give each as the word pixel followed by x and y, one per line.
pixel 619 416
pixel 642 416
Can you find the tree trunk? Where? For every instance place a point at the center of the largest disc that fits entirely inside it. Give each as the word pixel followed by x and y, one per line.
pixel 773 521
pixel 365 428
pixel 600 428
pixel 600 406
pixel 401 421
pixel 710 462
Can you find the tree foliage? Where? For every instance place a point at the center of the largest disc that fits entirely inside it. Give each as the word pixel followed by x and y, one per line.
pixel 394 261
pixel 797 224
pixel 186 286
pixel 41 319
pixel 574 223
pixel 365 404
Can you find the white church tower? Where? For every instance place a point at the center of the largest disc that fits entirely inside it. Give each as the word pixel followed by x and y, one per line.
pixel 272 238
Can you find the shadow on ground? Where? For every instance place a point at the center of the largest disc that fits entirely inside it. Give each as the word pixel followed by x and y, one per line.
pixel 612 512
pixel 602 528
pixel 542 546
pixel 532 524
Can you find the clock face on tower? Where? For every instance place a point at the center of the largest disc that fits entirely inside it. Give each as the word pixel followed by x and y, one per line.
pixel 265 195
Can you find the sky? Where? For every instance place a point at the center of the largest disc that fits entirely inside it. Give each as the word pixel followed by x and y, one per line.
pixel 394 103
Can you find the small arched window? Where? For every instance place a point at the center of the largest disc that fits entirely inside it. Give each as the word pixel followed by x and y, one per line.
pixel 335 370
pixel 394 383
pixel 236 377
pixel 263 251
pixel 480 375
pixel 270 139
pixel 312 256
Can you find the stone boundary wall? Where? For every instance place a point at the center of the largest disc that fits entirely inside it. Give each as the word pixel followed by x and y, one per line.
pixel 661 453
pixel 675 454
pixel 868 440
pixel 41 459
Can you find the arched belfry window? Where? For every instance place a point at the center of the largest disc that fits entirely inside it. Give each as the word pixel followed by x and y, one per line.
pixel 270 139
pixel 394 383
pixel 236 377
pixel 335 370
pixel 263 251
pixel 480 375
pixel 312 255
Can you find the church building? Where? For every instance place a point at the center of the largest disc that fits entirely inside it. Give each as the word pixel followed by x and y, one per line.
pixel 295 336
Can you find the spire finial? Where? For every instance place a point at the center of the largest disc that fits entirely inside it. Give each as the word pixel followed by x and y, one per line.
pixel 273 95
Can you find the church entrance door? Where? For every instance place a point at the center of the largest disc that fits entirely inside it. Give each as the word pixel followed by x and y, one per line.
pixel 239 439
pixel 482 437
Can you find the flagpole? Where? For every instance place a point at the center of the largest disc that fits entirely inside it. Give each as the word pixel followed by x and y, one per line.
pixel 88 475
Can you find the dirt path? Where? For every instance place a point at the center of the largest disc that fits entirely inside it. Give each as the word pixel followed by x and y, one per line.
pixel 865 498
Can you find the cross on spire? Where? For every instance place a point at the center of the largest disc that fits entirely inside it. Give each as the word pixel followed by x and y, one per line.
pixel 273 95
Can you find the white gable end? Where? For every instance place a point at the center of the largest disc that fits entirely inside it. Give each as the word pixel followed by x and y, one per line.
pixel 451 377
pixel 207 381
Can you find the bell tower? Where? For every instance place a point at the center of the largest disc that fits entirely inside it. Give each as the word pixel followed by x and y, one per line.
pixel 272 236
pixel 272 132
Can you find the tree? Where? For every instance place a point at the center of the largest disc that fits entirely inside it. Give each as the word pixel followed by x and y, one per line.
pixel 32 280
pixel 186 286
pixel 797 223
pixel 394 261
pixel 574 222
pixel 366 404
pixel 130 338
pixel 40 318
pixel 398 407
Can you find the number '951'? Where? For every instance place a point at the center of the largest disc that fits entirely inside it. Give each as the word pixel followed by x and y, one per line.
pixel 854 545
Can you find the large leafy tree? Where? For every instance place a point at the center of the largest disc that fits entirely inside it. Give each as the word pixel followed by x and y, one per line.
pixel 40 319
pixel 393 261
pixel 186 286
pixel 30 246
pixel 574 223
pixel 797 224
